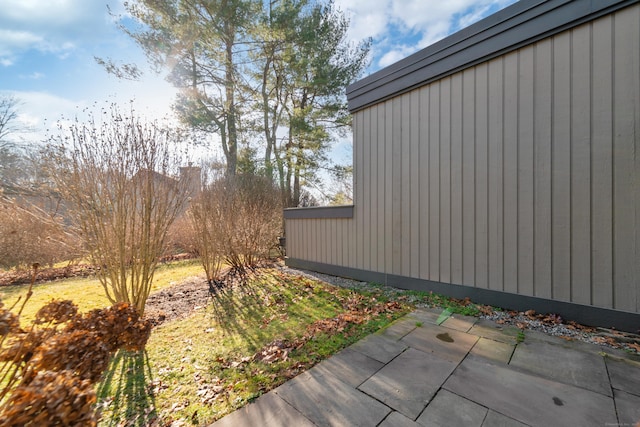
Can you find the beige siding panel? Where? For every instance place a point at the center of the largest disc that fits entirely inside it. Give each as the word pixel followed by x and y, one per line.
pixel 581 165
pixel 373 190
pixel 332 240
pixel 496 124
pixel 626 110
pixel 561 168
pixel 388 191
pixel 542 88
pixel 309 238
pixel 442 234
pixel 456 179
pixel 525 171
pixel 468 177
pixel 359 196
pixel 405 180
pixel 367 193
pixel 396 179
pixel 435 220
pixel 602 172
pixel 425 184
pixel 380 243
pixel 481 177
pixel 510 183
pixel 339 241
pixel 319 237
pixel 415 183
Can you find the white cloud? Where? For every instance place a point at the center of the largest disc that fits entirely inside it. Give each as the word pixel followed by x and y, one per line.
pixel 389 22
pixel 52 26
pixel 33 76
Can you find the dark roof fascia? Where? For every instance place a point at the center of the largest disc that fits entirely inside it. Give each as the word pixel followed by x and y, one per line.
pixel 518 25
pixel 321 212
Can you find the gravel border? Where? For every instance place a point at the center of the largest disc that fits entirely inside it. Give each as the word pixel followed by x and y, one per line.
pixel 553 325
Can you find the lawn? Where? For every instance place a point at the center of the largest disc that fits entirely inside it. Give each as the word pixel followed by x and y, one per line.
pixel 87 293
pixel 250 337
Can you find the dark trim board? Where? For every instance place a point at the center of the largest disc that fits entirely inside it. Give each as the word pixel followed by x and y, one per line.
pixel 511 28
pixel 584 314
pixel 319 212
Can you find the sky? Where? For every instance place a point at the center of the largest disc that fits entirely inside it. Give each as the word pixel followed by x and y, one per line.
pixel 48 50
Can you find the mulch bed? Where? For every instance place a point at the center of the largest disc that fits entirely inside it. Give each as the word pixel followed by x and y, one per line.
pixel 23 277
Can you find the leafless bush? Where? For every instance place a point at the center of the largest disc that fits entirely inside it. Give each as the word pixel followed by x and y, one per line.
pixel 181 238
pixel 236 221
pixel 122 195
pixel 30 235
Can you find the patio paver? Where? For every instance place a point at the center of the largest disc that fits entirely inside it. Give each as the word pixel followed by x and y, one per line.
pixel 451 410
pixel 409 382
pixel 412 376
pixel 327 401
pixel 528 398
pixel 567 365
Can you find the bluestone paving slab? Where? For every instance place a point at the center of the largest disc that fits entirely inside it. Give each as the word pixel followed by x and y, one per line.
pixel 396 419
pixel 451 410
pixel 493 350
pixel 495 419
pixel 350 366
pixel 379 347
pixel 624 375
pixel 399 328
pixel 267 411
pixel 488 329
pixel 563 364
pixel 527 398
pixel 628 407
pixel 443 342
pixel 409 382
pixel 425 315
pixel 327 401
pixel 573 344
pixel 460 323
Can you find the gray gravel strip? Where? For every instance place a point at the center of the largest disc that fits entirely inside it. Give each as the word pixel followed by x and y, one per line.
pixel 599 336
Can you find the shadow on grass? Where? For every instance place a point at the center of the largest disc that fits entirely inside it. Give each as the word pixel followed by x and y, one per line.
pixel 124 394
pixel 247 306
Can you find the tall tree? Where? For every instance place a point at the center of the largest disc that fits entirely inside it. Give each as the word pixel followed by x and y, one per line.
pixel 291 57
pixel 12 159
pixel 308 63
pixel 203 43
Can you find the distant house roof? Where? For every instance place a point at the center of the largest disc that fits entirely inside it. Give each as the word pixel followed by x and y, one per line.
pixel 508 29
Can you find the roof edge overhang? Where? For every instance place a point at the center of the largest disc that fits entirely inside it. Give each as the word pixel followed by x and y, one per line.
pixel 513 27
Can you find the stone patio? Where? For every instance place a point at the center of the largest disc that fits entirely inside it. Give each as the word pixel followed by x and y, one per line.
pixel 430 370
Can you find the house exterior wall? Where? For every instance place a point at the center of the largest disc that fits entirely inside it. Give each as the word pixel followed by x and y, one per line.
pixel 520 174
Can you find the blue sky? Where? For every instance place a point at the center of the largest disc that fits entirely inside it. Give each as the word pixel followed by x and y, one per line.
pixel 47 50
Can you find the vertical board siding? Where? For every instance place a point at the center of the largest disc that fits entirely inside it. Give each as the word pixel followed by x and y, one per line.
pixel 561 169
pixel 521 174
pixel 602 163
pixel 481 177
pixel 455 190
pixel 425 204
pixel 496 167
pixel 542 119
pixel 510 168
pixel 626 123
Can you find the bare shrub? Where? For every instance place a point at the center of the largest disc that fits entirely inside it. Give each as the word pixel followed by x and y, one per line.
pixel 30 235
pixel 236 221
pixel 122 195
pixel 181 238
